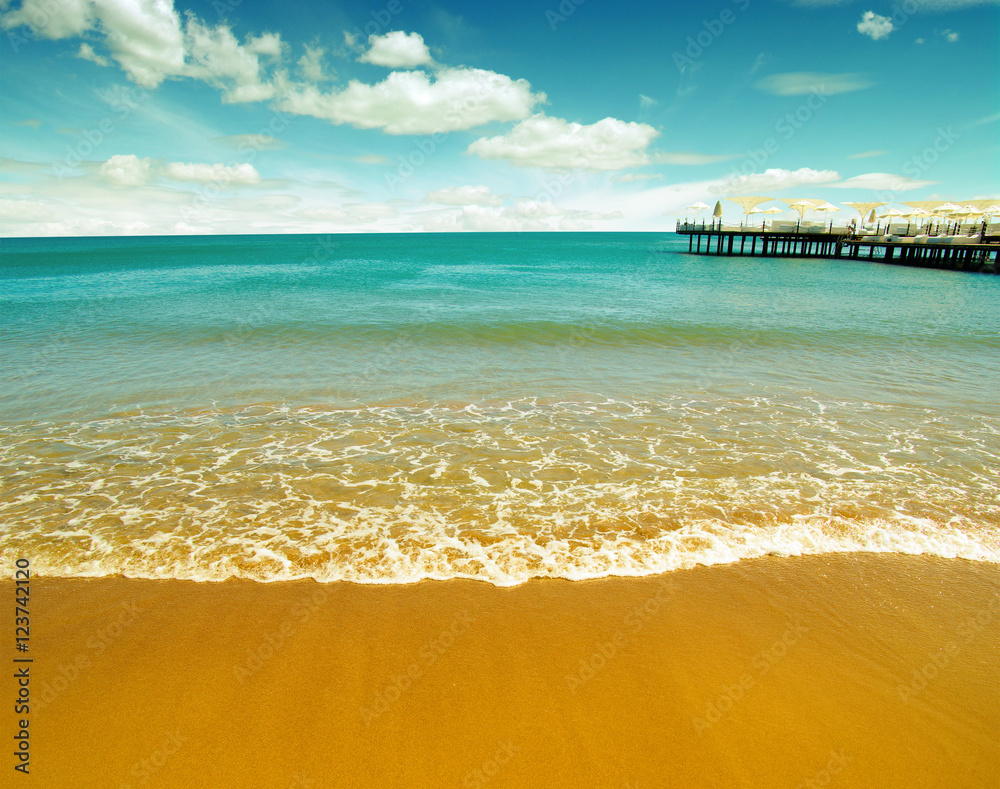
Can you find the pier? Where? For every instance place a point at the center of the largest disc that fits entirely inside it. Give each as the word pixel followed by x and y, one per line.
pixel 977 252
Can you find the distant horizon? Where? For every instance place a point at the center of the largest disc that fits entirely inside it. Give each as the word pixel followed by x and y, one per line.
pixel 219 117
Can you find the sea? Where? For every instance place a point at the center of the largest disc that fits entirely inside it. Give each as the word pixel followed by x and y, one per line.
pixel 386 408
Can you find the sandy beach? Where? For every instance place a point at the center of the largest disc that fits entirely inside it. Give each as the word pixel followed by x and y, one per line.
pixel 842 670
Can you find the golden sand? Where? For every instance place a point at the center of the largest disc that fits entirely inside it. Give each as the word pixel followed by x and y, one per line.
pixel 841 670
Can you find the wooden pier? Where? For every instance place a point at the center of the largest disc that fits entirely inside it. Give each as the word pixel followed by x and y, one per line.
pixel 958 253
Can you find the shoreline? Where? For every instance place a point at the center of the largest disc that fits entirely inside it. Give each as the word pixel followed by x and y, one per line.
pixel 868 669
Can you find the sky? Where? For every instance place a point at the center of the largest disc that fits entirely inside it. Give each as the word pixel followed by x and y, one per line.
pixel 151 117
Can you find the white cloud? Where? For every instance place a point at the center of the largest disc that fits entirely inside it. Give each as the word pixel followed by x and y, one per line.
pixel 149 41
pixel 801 83
pixel 645 102
pixel 397 50
pixel 219 174
pixel 49 19
pixel 464 195
pixel 866 154
pixel 627 178
pixel 524 215
pixel 874 26
pixel 950 36
pixel 920 5
pixel 24 211
pixel 773 180
pixel 349 214
pixel 554 143
pixel 126 170
pixel 410 102
pixel 86 52
pixel 144 36
pixel 689 158
pixel 244 143
pixel 311 65
pixel 881 182
pixel 216 57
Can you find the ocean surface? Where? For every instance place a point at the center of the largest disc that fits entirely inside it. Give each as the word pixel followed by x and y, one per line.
pixel 387 408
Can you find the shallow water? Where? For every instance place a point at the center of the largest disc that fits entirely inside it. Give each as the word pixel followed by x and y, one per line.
pixel 497 406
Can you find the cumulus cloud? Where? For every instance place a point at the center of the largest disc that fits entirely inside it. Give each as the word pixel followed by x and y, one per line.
pixel 86 52
pixel 143 36
pixel 874 26
pixel 773 180
pixel 554 143
pixel 151 43
pixel 219 174
pixel 397 50
pixel 950 36
pixel 881 182
pixel 311 65
pixel 215 56
pixel 464 195
pixel 126 170
pixel 52 20
pixel 411 102
pixel 801 83
pixel 148 39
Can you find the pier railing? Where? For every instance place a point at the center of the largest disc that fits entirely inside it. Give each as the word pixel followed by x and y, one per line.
pixel 944 228
pixel 939 246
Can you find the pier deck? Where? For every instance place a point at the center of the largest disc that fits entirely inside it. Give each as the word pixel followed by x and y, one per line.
pixel 947 252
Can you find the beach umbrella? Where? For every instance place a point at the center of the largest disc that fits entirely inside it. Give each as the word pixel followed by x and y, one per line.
pixel 864 208
pixel 801 205
pixel 990 206
pixel 826 208
pixel 717 213
pixel 748 203
pixel 948 208
pixel 699 206
pixel 892 212
pixel 871 216
pixel 926 205
pixel 773 210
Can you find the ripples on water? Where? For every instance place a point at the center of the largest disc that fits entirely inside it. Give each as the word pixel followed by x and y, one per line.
pixel 490 407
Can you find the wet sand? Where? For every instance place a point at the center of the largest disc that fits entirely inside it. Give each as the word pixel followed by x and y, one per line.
pixel 843 670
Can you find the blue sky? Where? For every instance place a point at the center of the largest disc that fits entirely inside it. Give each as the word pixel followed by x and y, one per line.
pixel 230 116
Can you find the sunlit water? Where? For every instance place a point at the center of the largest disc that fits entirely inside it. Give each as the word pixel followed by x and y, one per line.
pixel 384 408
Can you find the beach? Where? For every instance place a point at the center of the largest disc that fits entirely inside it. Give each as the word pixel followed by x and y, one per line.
pixel 843 670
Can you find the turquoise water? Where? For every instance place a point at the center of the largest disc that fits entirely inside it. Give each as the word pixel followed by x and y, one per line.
pixel 500 406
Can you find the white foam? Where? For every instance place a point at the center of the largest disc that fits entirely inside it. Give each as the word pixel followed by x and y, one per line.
pixel 500 493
